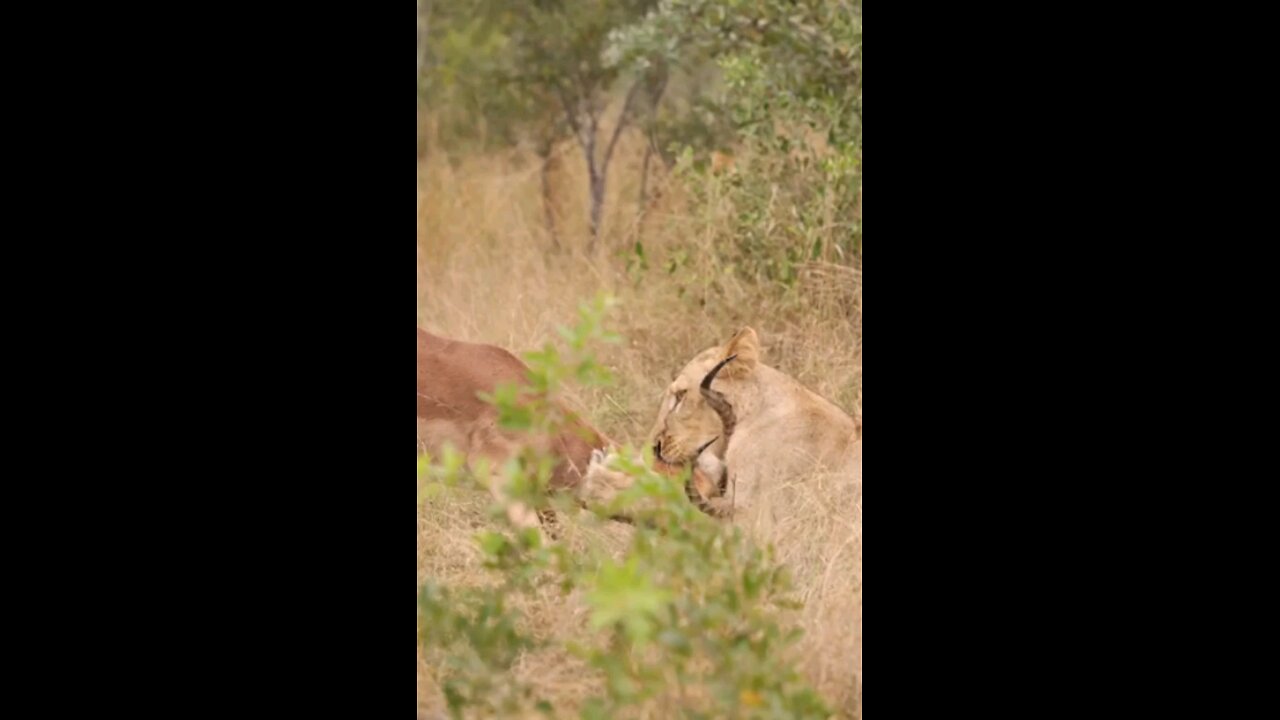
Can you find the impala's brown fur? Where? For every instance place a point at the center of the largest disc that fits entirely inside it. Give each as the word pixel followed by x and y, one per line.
pixel 452 373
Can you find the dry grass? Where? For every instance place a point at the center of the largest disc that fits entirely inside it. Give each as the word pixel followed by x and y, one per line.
pixel 486 274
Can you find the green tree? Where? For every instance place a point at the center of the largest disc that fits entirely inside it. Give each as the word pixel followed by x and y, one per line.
pixel 790 72
pixel 539 65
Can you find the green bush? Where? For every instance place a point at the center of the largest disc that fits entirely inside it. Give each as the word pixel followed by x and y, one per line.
pixel 688 621
pixel 791 90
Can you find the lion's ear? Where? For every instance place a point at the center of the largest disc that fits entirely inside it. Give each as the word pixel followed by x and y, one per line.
pixel 746 345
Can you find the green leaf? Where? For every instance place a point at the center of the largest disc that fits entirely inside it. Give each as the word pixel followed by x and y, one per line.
pixel 492 543
pixel 594 709
pixel 675 640
pixel 623 594
pixel 515 418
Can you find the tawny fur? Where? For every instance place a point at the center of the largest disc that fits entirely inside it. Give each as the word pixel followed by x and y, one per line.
pixel 783 429
pixel 706 484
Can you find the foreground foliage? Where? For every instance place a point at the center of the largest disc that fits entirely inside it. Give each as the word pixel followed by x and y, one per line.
pixel 688 622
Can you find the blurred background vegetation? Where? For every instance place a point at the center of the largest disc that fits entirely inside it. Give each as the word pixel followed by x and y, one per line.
pixel 701 162
pixel 777 84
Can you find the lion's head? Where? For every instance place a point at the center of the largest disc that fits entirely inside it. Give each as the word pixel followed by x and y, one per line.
pixel 693 416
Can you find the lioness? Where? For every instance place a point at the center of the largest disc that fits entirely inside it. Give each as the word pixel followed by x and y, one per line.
pixel 794 466
pixel 707 482
pixel 784 430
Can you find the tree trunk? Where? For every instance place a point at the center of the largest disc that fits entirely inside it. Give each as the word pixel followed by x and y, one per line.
pixel 597 205
pixel 600 173
pixel 644 184
pixel 595 182
pixel 655 97
pixel 548 210
pixel 424 19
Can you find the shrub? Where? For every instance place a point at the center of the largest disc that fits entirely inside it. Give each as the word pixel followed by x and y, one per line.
pixel 689 621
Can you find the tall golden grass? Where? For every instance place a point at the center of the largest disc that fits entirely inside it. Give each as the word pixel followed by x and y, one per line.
pixel 486 272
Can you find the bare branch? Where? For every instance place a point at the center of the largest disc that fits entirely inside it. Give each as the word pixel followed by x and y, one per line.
pixel 571 115
pixel 622 122
pixel 655 95
pixel 593 132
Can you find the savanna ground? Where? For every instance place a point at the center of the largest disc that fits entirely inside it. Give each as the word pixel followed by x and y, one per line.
pixel 486 272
